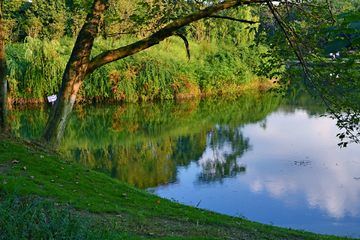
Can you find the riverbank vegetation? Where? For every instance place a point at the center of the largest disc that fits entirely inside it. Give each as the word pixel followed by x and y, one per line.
pixel 115 209
pixel 162 72
pixel 219 56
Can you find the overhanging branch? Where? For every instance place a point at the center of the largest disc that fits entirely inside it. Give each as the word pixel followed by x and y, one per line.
pixel 233 19
pixel 186 43
pixel 161 34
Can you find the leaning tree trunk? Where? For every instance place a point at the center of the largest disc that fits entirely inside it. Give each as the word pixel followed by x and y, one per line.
pixel 3 73
pixel 73 76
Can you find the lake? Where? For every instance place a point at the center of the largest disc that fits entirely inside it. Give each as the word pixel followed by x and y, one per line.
pixel 270 160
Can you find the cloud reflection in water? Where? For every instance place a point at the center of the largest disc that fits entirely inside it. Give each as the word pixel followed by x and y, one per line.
pixel 305 160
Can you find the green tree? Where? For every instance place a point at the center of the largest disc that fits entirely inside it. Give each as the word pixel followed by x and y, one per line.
pixel 45 18
pixel 37 18
pixel 233 32
pixel 13 16
pixel 81 66
pixel 117 22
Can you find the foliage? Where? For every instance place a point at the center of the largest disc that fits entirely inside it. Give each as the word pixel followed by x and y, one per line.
pixel 233 32
pixel 346 36
pixel 38 18
pixel 14 15
pixel 146 76
pixel 52 20
pixel 35 70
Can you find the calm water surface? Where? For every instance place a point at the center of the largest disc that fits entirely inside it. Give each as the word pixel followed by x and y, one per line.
pixel 295 176
pixel 271 161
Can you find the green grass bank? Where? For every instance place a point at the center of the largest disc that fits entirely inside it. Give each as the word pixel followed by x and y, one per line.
pixel 51 197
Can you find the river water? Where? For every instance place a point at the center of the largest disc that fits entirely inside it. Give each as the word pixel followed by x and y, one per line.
pixel 269 160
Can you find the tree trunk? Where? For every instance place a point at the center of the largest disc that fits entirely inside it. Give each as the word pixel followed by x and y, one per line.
pixel 73 76
pixel 3 73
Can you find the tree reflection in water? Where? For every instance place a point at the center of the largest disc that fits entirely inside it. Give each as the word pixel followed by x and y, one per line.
pixel 143 144
pixel 228 145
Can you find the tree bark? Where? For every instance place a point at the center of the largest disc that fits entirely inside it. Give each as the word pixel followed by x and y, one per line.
pixel 80 66
pixel 73 76
pixel 3 73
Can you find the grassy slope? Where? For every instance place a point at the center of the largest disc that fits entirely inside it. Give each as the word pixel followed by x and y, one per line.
pixel 119 204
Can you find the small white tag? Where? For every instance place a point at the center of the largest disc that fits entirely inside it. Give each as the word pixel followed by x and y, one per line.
pixel 52 98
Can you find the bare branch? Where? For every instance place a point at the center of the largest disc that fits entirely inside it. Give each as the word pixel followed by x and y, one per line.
pixel 186 43
pixel 328 4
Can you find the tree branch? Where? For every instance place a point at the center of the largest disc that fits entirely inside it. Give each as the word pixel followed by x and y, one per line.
pixel 233 19
pixel 328 4
pixel 186 43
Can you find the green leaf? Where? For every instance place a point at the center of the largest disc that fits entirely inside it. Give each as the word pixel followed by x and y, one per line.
pixel 335 46
pixel 350 63
pixel 346 30
pixel 355 24
pixel 356 41
pixel 343 15
pixel 352 17
pixel 329 29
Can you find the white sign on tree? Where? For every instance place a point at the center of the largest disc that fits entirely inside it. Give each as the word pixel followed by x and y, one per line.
pixel 52 98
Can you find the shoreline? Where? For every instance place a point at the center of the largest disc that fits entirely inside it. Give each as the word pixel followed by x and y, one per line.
pixel 237 89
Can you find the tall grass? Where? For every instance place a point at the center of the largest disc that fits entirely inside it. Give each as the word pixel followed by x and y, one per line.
pixel 27 217
pixel 35 67
pixel 161 72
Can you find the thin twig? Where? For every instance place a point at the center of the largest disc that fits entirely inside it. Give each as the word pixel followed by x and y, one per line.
pixel 332 16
